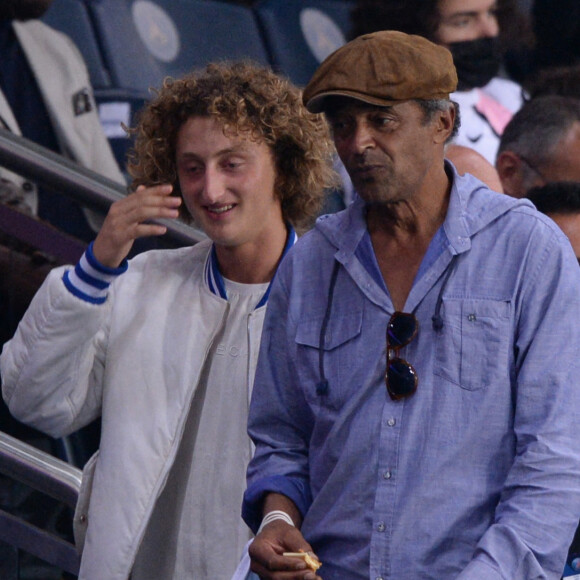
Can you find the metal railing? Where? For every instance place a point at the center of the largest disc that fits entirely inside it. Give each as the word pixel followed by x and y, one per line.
pixel 87 187
pixel 49 476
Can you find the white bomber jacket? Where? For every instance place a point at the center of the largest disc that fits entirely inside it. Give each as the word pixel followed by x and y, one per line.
pixel 142 350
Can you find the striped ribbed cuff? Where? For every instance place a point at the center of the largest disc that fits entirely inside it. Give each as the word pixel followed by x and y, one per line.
pixel 90 280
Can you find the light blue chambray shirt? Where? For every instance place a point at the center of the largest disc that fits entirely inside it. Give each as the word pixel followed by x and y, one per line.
pixel 477 475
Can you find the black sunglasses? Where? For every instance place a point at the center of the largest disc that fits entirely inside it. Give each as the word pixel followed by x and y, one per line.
pixel 400 378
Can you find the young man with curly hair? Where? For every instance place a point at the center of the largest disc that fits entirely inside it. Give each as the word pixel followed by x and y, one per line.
pixel 164 348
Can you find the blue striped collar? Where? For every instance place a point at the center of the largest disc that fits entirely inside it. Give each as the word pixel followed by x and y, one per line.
pixel 215 280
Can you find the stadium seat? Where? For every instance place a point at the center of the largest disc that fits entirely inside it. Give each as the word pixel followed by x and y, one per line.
pixel 300 34
pixel 118 107
pixel 72 18
pixel 116 104
pixel 144 41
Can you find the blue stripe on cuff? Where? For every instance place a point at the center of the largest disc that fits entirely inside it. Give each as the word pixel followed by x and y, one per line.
pixel 81 295
pixel 93 262
pixel 90 280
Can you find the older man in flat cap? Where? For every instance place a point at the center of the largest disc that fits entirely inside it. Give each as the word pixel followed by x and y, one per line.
pixel 415 405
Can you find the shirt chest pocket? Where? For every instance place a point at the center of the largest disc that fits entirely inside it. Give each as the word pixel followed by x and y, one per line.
pixel 330 353
pixel 472 349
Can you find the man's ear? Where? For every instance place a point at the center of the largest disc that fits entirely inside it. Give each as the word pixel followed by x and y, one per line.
pixel 509 168
pixel 444 128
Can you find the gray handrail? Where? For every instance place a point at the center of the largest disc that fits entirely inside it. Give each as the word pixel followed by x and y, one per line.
pixel 50 476
pixel 89 188
pixel 39 470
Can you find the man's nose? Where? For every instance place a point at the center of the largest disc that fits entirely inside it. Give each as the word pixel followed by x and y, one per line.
pixel 488 26
pixel 213 186
pixel 362 137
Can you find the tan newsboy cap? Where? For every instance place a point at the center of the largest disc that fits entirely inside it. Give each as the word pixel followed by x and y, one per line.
pixel 383 68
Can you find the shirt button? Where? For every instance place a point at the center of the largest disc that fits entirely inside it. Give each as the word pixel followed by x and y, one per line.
pixel 381 527
pixel 387 475
pixel 27 186
pixel 391 422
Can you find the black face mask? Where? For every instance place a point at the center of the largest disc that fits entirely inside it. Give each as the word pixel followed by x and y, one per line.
pixel 476 61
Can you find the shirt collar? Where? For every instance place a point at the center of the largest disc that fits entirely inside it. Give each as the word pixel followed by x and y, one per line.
pixel 214 278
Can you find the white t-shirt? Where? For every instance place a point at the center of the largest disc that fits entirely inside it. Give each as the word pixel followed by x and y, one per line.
pixel 196 530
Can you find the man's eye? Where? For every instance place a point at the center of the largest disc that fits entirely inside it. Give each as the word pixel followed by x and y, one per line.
pixel 382 122
pixel 339 127
pixel 190 170
pixel 461 22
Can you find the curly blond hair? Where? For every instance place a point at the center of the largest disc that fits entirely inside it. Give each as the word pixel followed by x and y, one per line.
pixel 248 100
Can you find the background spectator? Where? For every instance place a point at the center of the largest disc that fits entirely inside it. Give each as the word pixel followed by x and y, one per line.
pixel 556 27
pixel 561 80
pixel 467 160
pixel 560 201
pixel 551 40
pixel 45 95
pixel 540 144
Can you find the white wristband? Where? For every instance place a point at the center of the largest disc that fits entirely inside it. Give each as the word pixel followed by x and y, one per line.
pixel 275 515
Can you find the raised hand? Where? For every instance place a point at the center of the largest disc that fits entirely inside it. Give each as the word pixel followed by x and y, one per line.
pixel 129 219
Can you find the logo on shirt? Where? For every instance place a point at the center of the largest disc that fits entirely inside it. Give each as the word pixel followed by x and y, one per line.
pixel 224 350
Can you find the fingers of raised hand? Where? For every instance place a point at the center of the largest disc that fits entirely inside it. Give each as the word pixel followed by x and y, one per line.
pixel 130 218
pixel 148 204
